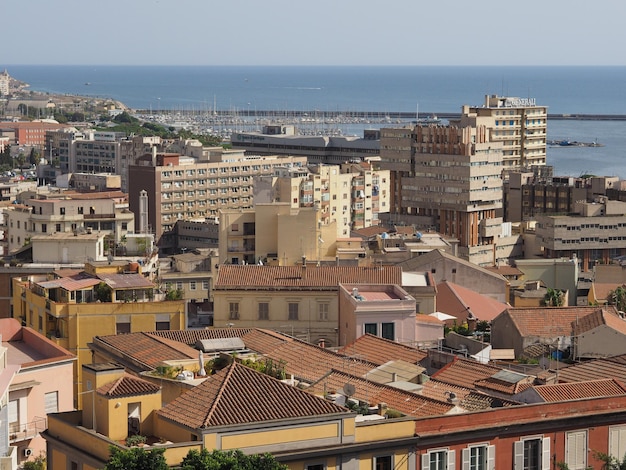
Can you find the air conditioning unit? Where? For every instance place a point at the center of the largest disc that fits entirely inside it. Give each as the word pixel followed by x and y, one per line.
pixel 28 452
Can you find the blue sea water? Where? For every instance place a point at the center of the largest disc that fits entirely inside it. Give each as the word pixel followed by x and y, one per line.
pixel 565 90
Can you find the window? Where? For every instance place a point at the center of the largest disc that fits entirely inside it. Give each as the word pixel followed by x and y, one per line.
pixel 233 311
pixel 205 285
pixel 162 325
pixel 383 463
pixel 44 228
pixel 51 402
pixel 532 454
pixel 317 466
pixel 62 210
pixel 617 441
pixel 192 285
pixel 371 328
pixel 576 450
pixel 322 309
pixel 388 331
pixel 264 311
pixel 293 311
pixel 441 459
pixel 480 457
pixel 122 327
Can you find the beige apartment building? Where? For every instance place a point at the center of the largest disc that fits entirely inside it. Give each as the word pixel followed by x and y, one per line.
pixel 594 233
pixel 276 234
pixel 519 124
pixel 68 212
pixel 351 195
pixel 166 188
pixel 448 179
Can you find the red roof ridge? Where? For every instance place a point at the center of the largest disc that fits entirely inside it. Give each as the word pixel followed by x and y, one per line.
pixel 220 393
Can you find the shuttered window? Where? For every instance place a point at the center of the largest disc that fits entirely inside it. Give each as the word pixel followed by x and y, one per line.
pixel 617 442
pixel 576 450
pixel 51 402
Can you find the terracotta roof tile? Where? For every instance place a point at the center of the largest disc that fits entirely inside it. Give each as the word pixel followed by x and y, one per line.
pixel 580 390
pixel 464 373
pixel 409 403
pixel 238 395
pixel 452 298
pixel 379 350
pixel 502 386
pixel 600 316
pixel 191 337
pixel 547 321
pixel 254 277
pixel 614 368
pixel 127 386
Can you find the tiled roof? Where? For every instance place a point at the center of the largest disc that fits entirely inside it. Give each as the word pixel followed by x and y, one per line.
pixel 127 386
pixel 600 316
pixel 409 403
pixel 452 298
pixel 464 373
pixel 503 386
pixel 614 368
pixel 505 270
pixel 547 322
pixel 145 349
pixel 191 337
pixel 368 232
pixel 580 390
pixel 254 277
pixel 379 350
pixel 308 363
pixel 423 318
pixel 126 281
pixel 238 395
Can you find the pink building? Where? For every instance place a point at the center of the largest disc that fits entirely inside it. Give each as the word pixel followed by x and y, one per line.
pixel 384 310
pixel 42 385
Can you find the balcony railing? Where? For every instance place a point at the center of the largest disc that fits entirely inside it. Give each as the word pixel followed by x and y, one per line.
pixel 21 432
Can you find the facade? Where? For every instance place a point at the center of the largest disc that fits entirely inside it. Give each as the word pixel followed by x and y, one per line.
pixel 558 273
pixel 448 179
pixel 299 300
pixel 71 307
pixel 69 213
pixel 387 311
pixel 32 133
pixel 301 430
pixel 283 140
pixel 352 195
pixel 42 385
pixel 185 188
pixel 519 124
pixel 593 234
pixel 285 236
pixel 68 248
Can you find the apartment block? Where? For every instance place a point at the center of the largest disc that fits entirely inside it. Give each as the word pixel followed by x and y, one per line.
pixel 170 187
pixel 519 124
pixel 594 233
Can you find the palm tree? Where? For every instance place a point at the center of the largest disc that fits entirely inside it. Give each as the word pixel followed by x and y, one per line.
pixel 554 298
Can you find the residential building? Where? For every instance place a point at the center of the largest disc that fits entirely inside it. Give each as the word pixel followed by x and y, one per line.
pixel 519 124
pixel 5 80
pixel 299 428
pixel 92 182
pixel 449 179
pixel 8 453
pixel 286 236
pixel 171 187
pixel 554 328
pixel 465 305
pixel 42 385
pixel 31 133
pixel 387 311
pixel 352 195
pixel 444 266
pixel 557 273
pixel 301 300
pixel 70 307
pixel 284 140
pixel 68 213
pixel 594 233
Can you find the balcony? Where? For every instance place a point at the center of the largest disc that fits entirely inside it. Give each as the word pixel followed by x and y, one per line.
pixel 21 432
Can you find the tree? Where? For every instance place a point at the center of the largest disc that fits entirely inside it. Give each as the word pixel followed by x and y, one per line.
pixel 229 460
pixel 554 298
pixel 617 297
pixel 136 458
pixel 610 462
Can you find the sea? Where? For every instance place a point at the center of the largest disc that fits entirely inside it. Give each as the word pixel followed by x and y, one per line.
pixel 429 90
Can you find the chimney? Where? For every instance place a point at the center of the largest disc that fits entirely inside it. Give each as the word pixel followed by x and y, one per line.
pixel 154 154
pixel 382 408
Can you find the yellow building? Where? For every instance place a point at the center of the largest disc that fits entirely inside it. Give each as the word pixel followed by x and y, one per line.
pixel 301 300
pixel 71 307
pixel 236 408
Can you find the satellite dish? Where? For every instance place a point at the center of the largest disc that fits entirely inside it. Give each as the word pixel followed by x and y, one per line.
pixel 348 389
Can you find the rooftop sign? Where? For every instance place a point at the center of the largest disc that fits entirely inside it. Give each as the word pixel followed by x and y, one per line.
pixel 519 102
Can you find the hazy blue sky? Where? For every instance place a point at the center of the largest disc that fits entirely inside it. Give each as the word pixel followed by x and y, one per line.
pixel 321 32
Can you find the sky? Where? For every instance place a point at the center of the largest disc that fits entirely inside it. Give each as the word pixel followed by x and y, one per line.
pixel 320 32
